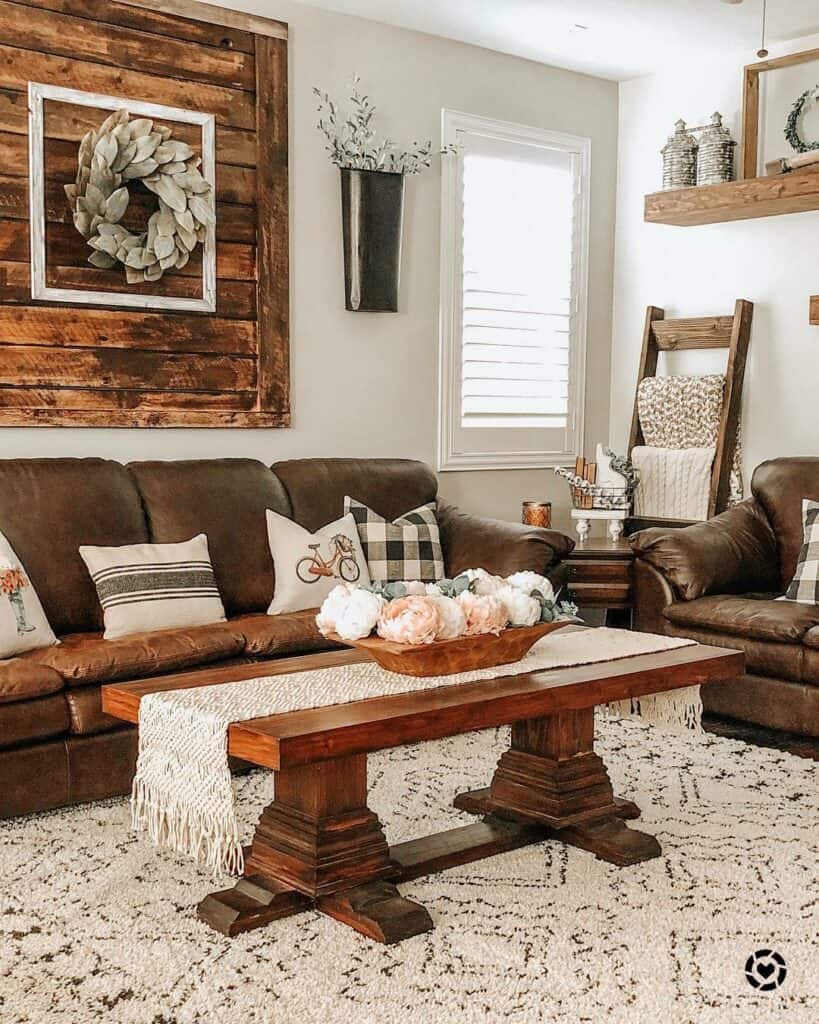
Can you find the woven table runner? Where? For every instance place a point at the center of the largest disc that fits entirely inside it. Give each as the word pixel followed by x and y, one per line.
pixel 183 794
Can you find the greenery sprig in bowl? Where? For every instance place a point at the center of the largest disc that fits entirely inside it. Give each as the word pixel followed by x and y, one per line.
pixel 353 143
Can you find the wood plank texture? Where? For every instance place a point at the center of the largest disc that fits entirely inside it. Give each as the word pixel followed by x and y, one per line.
pixel 647 368
pixel 18 67
pixel 90 328
pixel 731 407
pixel 693 333
pixel 233 260
pixel 778 194
pixel 125 15
pixel 258 25
pixel 273 225
pixel 86 365
pixel 37 366
pixel 234 184
pixel 234 299
pixel 70 122
pixel 814 310
pixel 49 31
pixel 234 222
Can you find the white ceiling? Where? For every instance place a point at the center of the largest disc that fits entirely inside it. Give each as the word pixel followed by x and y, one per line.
pixel 621 39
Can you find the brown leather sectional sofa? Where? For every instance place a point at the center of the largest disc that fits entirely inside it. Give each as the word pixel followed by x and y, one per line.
pixel 717 582
pixel 56 745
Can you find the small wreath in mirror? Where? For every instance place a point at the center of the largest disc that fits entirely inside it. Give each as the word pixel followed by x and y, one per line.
pixel 796 141
pixel 122 152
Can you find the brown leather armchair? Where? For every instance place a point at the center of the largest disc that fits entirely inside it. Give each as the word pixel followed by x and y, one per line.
pixel 717 582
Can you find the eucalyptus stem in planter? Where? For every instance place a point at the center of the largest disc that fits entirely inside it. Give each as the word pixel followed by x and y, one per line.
pixel 372 197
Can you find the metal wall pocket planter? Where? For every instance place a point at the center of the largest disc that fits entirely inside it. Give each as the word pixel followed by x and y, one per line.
pixel 372 206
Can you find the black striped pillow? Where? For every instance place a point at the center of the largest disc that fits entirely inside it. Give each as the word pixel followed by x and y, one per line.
pixel 146 587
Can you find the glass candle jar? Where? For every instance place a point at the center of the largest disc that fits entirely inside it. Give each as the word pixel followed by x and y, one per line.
pixel 537 513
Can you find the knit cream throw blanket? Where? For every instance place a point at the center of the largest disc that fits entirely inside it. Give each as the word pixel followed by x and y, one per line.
pixel 182 793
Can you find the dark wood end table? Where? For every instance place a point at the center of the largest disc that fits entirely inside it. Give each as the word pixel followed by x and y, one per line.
pixel 600 576
pixel 319 845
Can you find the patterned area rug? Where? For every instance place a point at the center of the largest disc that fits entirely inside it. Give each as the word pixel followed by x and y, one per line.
pixel 98 926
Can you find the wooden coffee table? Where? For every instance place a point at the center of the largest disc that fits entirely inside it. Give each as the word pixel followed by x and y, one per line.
pixel 319 845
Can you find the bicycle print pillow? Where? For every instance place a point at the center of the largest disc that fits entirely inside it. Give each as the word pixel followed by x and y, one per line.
pixel 308 565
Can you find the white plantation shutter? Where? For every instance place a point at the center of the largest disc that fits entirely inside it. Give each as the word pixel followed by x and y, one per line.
pixel 513 295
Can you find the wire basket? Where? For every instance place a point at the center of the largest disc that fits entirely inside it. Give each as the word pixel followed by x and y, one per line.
pixel 590 496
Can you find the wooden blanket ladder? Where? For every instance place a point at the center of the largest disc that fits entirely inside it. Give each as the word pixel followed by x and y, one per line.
pixel 731 332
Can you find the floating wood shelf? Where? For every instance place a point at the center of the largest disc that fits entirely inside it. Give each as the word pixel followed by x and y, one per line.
pixel 735 200
pixel 814 310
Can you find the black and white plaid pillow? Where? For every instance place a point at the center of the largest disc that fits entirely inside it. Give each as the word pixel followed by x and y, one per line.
pixel 409 548
pixel 804 587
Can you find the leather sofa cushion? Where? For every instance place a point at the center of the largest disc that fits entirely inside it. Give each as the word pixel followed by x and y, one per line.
pixel 810 666
pixel 774 703
pixel 759 619
pixel 275 635
pixel 101 766
pixel 811 638
pixel 48 508
pixel 83 658
pixel 390 487
pixel 84 705
pixel 782 661
pixel 34 778
pixel 28 721
pixel 780 485
pixel 225 499
pixel 497 546
pixel 733 553
pixel 21 679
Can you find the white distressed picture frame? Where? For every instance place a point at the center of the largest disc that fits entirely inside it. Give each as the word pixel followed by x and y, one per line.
pixel 37 94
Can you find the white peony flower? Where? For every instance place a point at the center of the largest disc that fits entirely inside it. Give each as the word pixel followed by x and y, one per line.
pixel 452 618
pixel 415 588
pixel 487 585
pixel 433 590
pixel 529 581
pixel 334 604
pixel 359 615
pixel 522 609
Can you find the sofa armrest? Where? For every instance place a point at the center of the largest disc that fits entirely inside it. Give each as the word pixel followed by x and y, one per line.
pixel 500 547
pixel 733 553
pixel 652 594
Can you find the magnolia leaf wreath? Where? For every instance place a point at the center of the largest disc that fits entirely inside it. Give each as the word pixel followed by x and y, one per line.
pixel 122 151
pixel 792 135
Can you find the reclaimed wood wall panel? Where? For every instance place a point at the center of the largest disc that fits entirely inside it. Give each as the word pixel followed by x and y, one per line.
pixel 63 364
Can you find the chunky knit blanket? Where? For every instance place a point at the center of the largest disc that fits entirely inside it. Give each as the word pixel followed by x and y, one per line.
pixel 183 796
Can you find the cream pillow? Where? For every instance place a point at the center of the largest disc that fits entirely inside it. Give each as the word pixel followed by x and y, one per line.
pixel 146 587
pixel 308 565
pixel 23 623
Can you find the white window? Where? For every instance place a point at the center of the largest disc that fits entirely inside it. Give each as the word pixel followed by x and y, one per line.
pixel 514 237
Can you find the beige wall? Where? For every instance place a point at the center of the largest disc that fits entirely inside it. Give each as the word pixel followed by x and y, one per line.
pixel 695 271
pixel 366 384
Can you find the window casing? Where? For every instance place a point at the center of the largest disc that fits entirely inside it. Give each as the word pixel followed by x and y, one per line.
pixel 514 258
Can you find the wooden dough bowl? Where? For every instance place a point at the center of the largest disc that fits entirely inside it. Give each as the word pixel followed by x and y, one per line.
pixel 447 657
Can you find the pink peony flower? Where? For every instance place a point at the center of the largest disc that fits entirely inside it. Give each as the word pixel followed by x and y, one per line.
pixel 409 620
pixel 484 613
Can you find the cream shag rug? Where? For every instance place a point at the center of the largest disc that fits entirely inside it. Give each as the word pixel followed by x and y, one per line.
pixel 96 925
